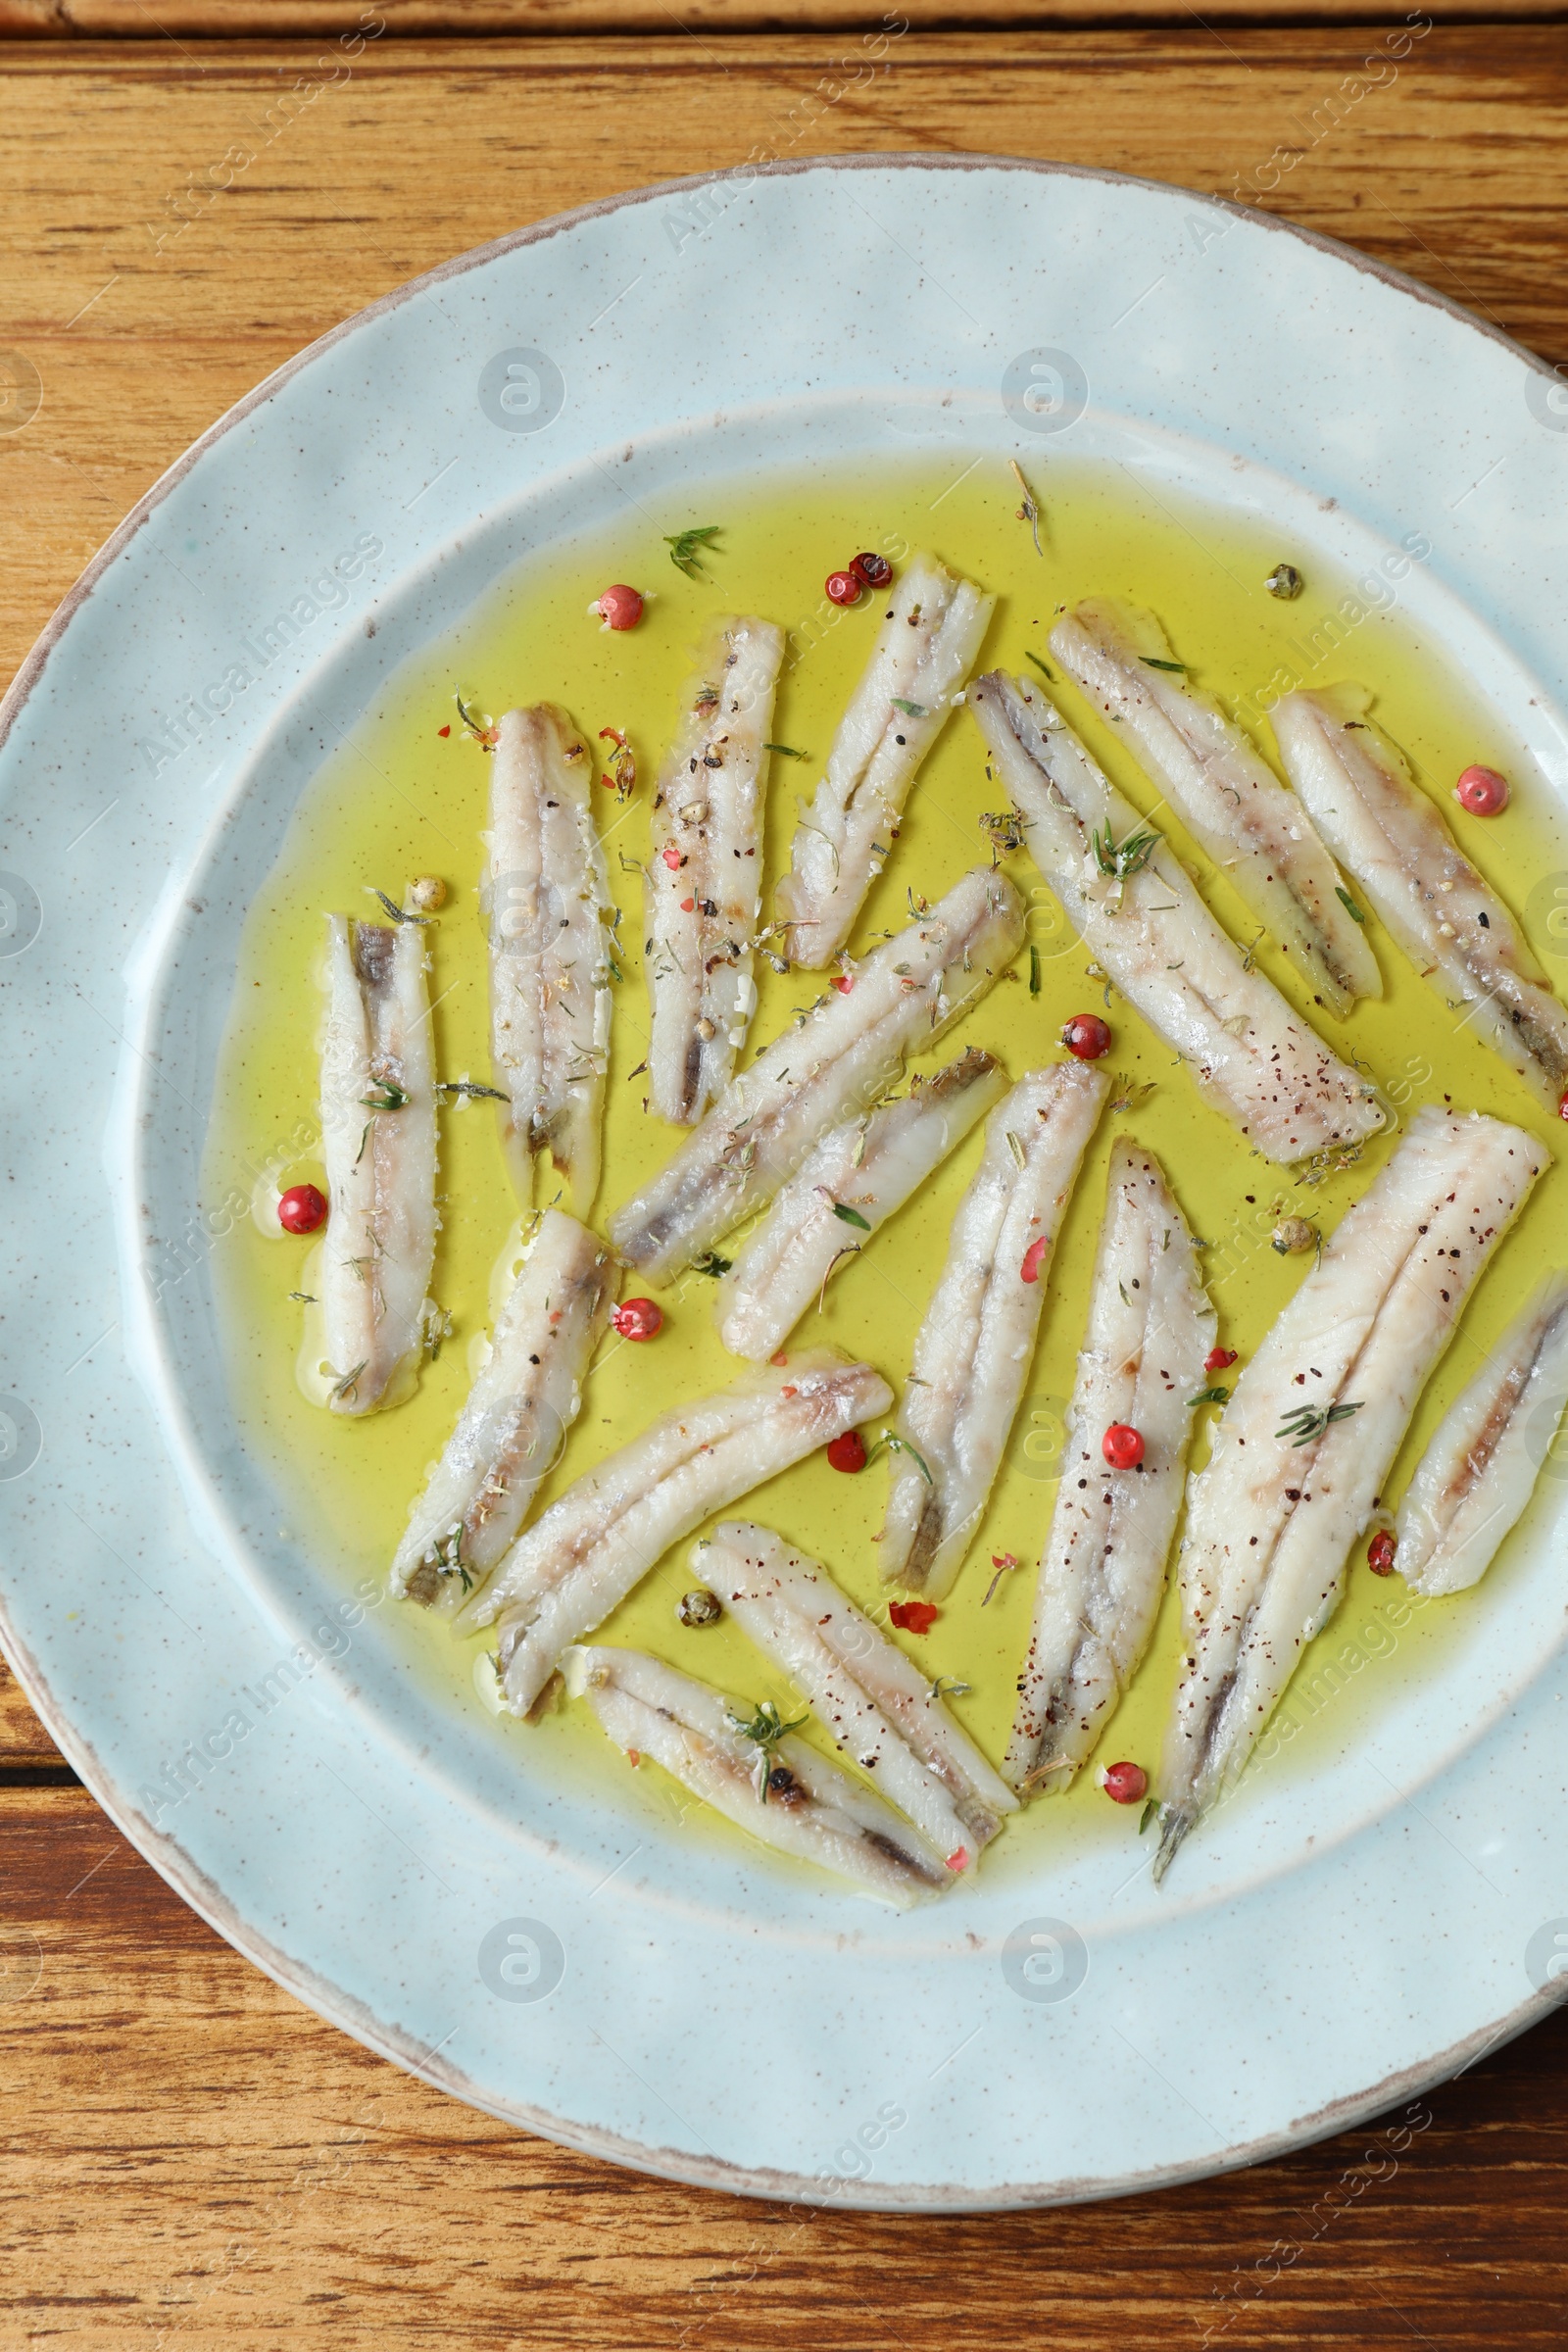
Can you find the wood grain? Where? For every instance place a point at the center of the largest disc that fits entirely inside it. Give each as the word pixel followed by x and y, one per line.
pixel 325 19
pixel 149 299
pixel 192 2159
pixel 24 1746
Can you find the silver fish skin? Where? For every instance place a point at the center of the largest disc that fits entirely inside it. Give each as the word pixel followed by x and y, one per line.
pixel 977 1339
pixel 1103 1569
pixel 1224 792
pixel 546 900
pixel 831 1065
pixel 1395 842
pixel 379 1245
pixel 870 1167
pixel 1250 1055
pixel 929 641
pixel 585 1553
pixel 704 889
pixel 511 1431
pixel 878 1705
pixel 1480 1470
pixel 1269 1520
pixel 812 1811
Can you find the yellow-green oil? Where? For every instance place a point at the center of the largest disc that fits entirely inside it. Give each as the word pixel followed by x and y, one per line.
pixel 404 799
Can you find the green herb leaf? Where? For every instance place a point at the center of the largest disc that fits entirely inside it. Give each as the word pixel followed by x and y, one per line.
pixel 1147 1814
pixel 1349 905
pixel 1309 1421
pixel 851 1216
pixel 1214 1395
pixel 890 1441
pixel 1034 971
pixel 913 710
pixel 684 547
pixel 788 750
pixel 472 1089
pixel 384 1095
pixel 1120 860
pixel 1149 661
pixel 399 914
pixel 711 1263
pixel 1038 665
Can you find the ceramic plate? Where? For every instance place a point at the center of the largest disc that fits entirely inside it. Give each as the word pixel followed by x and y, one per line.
pixel 1342 1935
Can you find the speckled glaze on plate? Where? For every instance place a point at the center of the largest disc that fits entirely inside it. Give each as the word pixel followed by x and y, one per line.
pixel 1328 1947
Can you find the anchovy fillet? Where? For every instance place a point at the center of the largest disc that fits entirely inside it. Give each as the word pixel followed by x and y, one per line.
pixel 927 645
pixel 812 1810
pixel 977 1341
pixel 546 900
pixel 851 1184
pixel 1303 1449
pixel 1480 1470
pixel 1394 839
pixel 510 1431
pixel 833 1063
pixel 1225 793
pixel 601 1538
pixel 1103 1570
pixel 1250 1053
pixel 379 1141
pixel 878 1705
pixel 704 877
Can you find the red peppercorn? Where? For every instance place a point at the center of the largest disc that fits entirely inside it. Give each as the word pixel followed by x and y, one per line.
pixel 1482 791
pixel 874 570
pixel 1087 1035
pixel 1380 1553
pixel 443 730
pixel 671 858
pixel 1562 1107
pixel 914 1616
pixel 302 1208
pixel 1124 1783
pixel 844 587
pixel 959 1859
pixel 620 607
pixel 638 1319
pixel 1219 1359
pixel 842 982
pixel 1033 1259
pixel 688 906
pixel 1122 1447
pixel 848 1451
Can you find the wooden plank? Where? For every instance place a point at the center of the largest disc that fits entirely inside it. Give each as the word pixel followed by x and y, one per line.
pixel 24 1744
pixel 149 297
pixel 189 2150
pixel 328 19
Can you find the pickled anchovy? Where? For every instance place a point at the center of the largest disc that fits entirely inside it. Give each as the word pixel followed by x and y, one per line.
pixel 809 1809
pixel 877 1703
pixel 1303 1449
pixel 546 899
pixel 854 1180
pixel 1394 839
pixel 1224 792
pixel 927 645
pixel 704 877
pixel 977 1342
pixel 833 1063
pixel 598 1539
pixel 1103 1570
pixel 510 1431
pixel 1127 896
pixel 1480 1470
pixel 379 1141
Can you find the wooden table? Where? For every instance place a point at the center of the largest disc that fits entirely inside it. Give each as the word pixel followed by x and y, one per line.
pixel 192 2159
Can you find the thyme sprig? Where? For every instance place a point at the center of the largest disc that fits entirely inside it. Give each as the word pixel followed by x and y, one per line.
pixel 472 1090
pixel 399 914
pixel 788 750
pixel 1349 905
pixel 485 732
pixel 1218 1395
pixel 1120 861
pixel 1038 665
pixel 711 1262
pixel 1309 1421
pixel 685 546
pixel 851 1216
pixel 447 1554
pixel 1029 511
pixel 764 1728
pixel 385 1096
pixel 1150 662
pixel 891 1443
